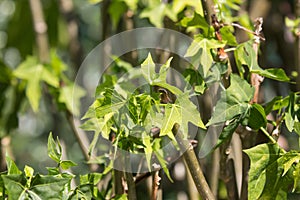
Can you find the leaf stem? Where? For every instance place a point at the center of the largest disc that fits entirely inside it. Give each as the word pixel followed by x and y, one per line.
pixel 268 135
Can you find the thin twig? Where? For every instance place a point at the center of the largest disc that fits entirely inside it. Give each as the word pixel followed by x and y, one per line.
pixel 245 29
pixel 193 165
pixel 155 184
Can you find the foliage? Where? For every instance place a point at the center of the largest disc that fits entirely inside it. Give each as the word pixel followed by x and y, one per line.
pixel 137 112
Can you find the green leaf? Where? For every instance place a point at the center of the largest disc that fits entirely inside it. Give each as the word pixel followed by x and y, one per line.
pixel 54 149
pixel 33 72
pixel 95 1
pixel 116 10
pixel 266 178
pixel 179 5
pixel 29 174
pixel 203 46
pixel 292 157
pixel 172 115
pixel 66 164
pixel 257 117
pixel 296 175
pixel 12 167
pixel 148 69
pixel 156 12
pixel 48 187
pixel 227 132
pixel 70 95
pixel 14 184
pixel 233 102
pixel 33 92
pixel 196 21
pixel 227 35
pixel 245 55
pixel 189 113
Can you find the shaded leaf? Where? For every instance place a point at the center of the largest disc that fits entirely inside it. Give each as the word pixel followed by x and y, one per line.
pixel 233 102
pixel 266 178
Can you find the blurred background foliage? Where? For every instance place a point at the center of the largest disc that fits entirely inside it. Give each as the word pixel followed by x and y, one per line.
pixel 75 27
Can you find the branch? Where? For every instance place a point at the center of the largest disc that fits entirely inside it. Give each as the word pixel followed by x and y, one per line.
pixel 81 138
pixel 155 184
pixel 256 79
pixel 193 165
pixel 67 10
pixel 131 186
pixel 208 9
pixel 40 28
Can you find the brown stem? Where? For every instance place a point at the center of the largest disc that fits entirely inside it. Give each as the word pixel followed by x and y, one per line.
pixel 256 79
pixel 82 139
pixel 193 165
pixel 40 28
pixel 227 172
pixel 208 9
pixel 155 184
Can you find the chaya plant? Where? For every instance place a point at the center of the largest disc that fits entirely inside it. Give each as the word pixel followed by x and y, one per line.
pixel 137 113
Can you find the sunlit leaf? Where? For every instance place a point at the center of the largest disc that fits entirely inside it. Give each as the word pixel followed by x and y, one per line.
pixel 54 149
pixel 66 164
pixel 12 168
pixel 179 5
pixel 203 46
pixel 156 11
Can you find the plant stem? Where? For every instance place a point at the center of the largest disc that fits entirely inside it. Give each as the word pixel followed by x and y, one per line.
pixel 131 186
pixel 155 184
pixel 268 135
pixel 40 28
pixel 207 6
pixel 193 164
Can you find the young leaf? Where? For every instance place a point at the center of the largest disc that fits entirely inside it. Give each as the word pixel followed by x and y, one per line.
pixel 148 69
pixel 66 164
pixel 54 149
pixel 203 46
pixel 12 167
